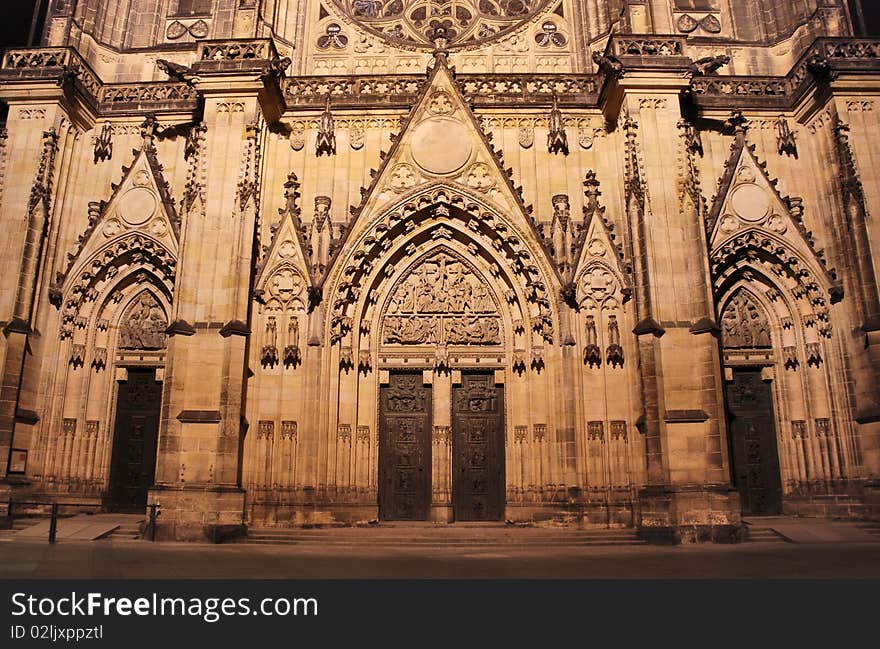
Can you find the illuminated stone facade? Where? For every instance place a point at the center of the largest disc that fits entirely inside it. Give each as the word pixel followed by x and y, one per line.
pixel 270 263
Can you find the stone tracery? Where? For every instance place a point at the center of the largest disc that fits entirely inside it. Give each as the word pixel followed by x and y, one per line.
pixel 467 22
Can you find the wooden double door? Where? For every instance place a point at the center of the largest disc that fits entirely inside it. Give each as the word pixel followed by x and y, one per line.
pixel 405 443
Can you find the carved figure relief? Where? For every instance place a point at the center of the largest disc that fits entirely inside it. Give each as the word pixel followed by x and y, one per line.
pixel 441 302
pixel 143 327
pixel 743 324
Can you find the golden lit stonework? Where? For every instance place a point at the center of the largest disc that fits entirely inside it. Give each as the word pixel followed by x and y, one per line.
pixel 467 22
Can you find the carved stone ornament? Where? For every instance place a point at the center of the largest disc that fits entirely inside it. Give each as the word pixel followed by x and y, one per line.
pixel 412 23
pixel 357 137
pixel 104 143
pixel 592 354
pixel 586 137
pixel 614 353
pixel 144 324
pixel 285 291
pixel 269 354
pixel 441 302
pixel 526 134
pixel 785 138
pixel 326 142
pixel 297 136
pixel 599 287
pixel 744 325
pixel 557 140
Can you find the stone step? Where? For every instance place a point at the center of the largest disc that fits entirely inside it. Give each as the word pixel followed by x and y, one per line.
pixel 764 535
pixel 870 528
pixel 430 544
pixel 398 537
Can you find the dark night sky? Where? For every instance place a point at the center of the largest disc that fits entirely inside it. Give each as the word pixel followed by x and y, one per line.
pixel 15 22
pixel 871 9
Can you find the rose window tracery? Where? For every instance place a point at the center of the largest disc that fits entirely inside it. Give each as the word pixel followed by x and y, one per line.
pixel 467 22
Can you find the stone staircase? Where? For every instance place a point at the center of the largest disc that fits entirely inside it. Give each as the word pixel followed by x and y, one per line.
pixel 757 532
pixel 129 528
pixel 455 535
pixel 872 528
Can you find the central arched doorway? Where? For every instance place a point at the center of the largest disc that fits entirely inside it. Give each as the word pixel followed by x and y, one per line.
pixel 441 420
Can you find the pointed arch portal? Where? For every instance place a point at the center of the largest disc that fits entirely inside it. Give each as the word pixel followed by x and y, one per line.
pixel 444 435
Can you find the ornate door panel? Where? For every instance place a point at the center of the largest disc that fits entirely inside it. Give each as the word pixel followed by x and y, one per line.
pixel 135 439
pixel 755 456
pixel 405 448
pixel 478 449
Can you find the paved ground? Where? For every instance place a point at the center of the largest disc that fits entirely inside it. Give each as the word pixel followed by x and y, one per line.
pixel 144 560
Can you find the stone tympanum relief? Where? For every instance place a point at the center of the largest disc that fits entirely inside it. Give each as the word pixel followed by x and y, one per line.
pixel 441 301
pixel 744 324
pixel 143 326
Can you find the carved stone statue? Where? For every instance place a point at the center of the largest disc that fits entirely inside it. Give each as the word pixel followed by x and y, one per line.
pixel 557 140
pixel 785 140
pixel 326 133
pixel 144 325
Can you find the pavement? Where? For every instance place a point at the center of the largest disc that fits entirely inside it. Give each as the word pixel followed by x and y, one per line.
pixel 83 527
pixel 144 560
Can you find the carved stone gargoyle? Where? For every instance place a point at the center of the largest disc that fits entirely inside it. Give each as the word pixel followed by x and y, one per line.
pixel 707 66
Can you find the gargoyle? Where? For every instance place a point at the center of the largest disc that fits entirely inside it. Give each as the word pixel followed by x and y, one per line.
pixel 608 65
pixel 707 66
pixel 177 71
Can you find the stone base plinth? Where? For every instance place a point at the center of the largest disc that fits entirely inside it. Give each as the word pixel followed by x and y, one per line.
pixel 690 514
pixel 199 513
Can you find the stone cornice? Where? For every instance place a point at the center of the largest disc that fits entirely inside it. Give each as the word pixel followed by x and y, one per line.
pixel 23 70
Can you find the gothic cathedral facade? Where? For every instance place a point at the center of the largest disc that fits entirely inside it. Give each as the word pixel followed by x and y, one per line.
pixel 313 262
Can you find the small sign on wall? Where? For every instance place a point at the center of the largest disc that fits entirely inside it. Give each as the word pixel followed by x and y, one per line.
pixel 18 461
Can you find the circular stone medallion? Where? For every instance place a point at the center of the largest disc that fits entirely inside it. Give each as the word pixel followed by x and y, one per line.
pixel 441 146
pixel 137 206
pixel 750 202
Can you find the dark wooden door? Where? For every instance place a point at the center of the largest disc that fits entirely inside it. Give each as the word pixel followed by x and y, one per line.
pixel 755 457
pixel 405 448
pixel 478 448
pixel 135 440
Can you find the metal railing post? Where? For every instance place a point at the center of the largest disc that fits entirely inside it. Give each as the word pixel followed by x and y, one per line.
pixel 154 514
pixel 53 523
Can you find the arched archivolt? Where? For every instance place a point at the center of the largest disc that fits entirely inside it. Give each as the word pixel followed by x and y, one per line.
pixel 525 325
pixel 774 320
pixel 440 212
pixel 132 257
pixel 808 289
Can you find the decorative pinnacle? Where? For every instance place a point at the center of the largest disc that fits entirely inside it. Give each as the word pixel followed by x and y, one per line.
pixel 441 42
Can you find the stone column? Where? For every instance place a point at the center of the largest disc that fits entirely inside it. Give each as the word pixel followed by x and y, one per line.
pixel 689 496
pixel 28 191
pixel 198 474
